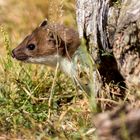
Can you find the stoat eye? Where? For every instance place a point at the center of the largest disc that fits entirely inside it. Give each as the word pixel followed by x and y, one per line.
pixel 31 47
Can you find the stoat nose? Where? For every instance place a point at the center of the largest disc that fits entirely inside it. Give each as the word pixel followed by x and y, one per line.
pixel 13 53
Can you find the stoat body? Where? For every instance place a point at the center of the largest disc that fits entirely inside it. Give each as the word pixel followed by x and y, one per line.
pixel 52 45
pixel 49 45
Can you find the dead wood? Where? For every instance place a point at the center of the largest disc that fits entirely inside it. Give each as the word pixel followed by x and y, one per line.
pixel 112 31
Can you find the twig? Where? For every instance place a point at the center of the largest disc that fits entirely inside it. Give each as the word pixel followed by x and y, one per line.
pixel 52 91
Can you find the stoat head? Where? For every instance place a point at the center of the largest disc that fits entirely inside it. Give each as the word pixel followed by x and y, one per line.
pixel 46 44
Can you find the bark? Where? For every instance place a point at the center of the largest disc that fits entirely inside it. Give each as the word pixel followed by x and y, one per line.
pixel 112 31
pixel 92 24
pixel 126 45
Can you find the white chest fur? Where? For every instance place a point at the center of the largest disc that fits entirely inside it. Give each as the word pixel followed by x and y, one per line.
pixel 64 64
pixel 67 67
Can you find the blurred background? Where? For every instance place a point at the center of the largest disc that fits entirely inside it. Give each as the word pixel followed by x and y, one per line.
pixel 19 18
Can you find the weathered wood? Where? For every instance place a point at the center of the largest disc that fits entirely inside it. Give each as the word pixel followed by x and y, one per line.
pixel 86 26
pixel 92 24
pixel 126 45
pixel 112 31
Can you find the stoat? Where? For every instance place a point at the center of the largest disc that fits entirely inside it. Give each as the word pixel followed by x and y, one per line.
pixel 50 45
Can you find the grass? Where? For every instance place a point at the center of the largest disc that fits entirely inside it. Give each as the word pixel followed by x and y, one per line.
pixel 24 97
pixel 36 102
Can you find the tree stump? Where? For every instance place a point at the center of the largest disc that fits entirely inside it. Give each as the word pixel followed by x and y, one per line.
pixel 112 31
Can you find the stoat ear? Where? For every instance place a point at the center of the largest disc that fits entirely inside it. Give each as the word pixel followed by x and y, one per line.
pixel 44 23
